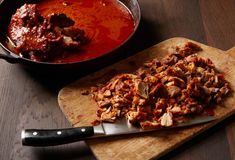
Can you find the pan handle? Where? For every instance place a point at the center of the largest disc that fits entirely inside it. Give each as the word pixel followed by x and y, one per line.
pixel 10 58
pixel 50 137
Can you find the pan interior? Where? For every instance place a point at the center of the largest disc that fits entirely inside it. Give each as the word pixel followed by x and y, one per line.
pixel 8 8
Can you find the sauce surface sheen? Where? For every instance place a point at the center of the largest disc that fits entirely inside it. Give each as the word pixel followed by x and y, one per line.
pixel 107 24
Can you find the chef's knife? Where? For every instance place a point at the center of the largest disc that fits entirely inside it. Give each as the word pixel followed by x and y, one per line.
pixel 44 137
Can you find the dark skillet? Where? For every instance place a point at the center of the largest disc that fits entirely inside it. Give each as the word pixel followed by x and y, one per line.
pixel 8 8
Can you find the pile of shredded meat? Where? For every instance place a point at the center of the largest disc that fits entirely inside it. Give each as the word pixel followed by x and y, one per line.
pixel 161 94
pixel 42 38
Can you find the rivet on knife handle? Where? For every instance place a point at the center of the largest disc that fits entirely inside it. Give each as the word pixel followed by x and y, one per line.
pixel 50 137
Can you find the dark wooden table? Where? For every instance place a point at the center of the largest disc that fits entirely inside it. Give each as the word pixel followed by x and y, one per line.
pixel 29 100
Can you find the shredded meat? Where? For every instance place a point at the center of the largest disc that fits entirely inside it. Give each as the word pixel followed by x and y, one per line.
pixel 160 94
pixel 41 38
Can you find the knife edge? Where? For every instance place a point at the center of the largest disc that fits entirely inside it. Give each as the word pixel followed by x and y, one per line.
pixel 50 137
pixel 123 126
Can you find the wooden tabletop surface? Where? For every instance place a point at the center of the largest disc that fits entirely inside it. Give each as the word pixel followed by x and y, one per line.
pixel 29 100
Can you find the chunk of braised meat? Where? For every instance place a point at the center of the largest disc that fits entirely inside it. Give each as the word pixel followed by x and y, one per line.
pixel 28 30
pixel 27 16
pixel 42 38
pixel 74 38
pixel 60 20
pixel 180 53
pixel 162 94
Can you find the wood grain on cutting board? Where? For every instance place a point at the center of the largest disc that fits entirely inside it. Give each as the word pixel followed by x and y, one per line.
pixel 80 109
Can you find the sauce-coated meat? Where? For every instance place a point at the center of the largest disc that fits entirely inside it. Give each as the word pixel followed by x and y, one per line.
pixel 162 93
pixel 41 38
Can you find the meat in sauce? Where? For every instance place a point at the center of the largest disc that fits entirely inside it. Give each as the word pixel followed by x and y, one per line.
pixel 104 24
pixel 41 38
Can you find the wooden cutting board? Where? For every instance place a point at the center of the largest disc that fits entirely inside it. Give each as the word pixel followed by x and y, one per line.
pixel 80 109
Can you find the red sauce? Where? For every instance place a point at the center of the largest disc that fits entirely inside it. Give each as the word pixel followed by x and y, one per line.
pixel 107 23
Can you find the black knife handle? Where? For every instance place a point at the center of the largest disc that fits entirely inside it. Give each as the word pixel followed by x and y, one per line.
pixel 50 137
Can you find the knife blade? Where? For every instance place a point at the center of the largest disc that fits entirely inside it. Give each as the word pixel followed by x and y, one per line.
pixel 49 137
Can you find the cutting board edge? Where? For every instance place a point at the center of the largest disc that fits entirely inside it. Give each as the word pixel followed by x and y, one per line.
pixel 188 138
